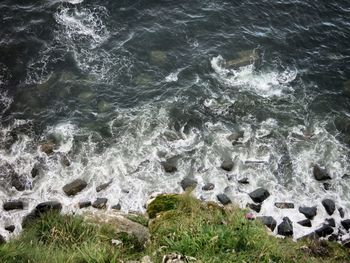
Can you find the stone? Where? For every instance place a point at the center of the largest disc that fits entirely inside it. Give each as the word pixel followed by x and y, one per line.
pixel 333 238
pixel 74 187
pixel 47 148
pixel 224 199
pixel 227 165
pixel 346 243
pixel 100 203
pixel 341 212
pixel 309 212
pixel 259 195
pixel 18 182
pixel 346 176
pixel 285 228
pixel 268 221
pixel 2 240
pixel 65 161
pixel 320 174
pixel 330 222
pixel 10 228
pixel 48 206
pixel 255 207
pixel 187 183
pixel 305 222
pixel 243 181
pixel 329 205
pixel 323 231
pixel 84 204
pixel 208 187
pixel 235 137
pixel 168 167
pixel 346 224
pixel 327 186
pixel 284 205
pixel 36 170
pixel 103 186
pixel 117 207
pixel 13 205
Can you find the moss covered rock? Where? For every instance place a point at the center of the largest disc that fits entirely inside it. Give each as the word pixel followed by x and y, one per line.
pixel 163 203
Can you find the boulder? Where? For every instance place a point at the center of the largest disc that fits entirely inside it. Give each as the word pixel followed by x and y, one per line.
pixel 48 206
pixel 74 187
pixel 255 207
pixel 321 174
pixel 158 56
pixel 188 183
pixel 84 204
pixel 305 222
pixel 284 205
pixel 329 205
pixel 208 187
pixel 346 243
pixel 116 207
pixel 341 212
pixel 245 58
pixel 100 203
pixel 324 230
pixel 259 195
pixel 47 148
pixel 330 222
pixel 103 186
pixel 285 228
pixel 327 186
pixel 227 165
pixel 346 176
pixel 13 205
pixel 168 167
pixel 65 161
pixel 36 170
pixel 10 228
pixel 224 199
pixel 309 212
pixel 243 181
pixel 346 224
pixel 8 174
pixel 18 182
pixel 268 221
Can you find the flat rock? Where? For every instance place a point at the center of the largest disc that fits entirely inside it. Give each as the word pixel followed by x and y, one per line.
pixel 74 187
pixel 227 165
pixel 84 204
pixel 321 174
pixel 285 228
pixel 208 187
pixel 329 205
pixel 100 203
pixel 10 228
pixel 188 183
pixel 259 195
pixel 323 231
pixel 284 205
pixel 346 224
pixel 103 186
pixel 243 181
pixel 13 205
pixel 224 199
pixel 309 212
pixel 305 222
pixel 268 221
pixel 255 207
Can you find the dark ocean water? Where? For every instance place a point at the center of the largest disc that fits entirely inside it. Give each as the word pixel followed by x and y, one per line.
pixel 121 86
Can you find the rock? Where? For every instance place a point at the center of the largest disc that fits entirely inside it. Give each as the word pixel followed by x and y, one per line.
pixel 284 205
pixel 103 186
pixel 158 56
pixel 84 204
pixel 342 124
pixel 48 206
pixel 285 228
pixel 346 224
pixel 36 170
pixel 117 207
pixel 243 181
pixel 245 58
pixel 327 186
pixel 346 176
pixel 2 240
pixel 320 174
pixel 330 222
pixel 259 195
pixel 65 161
pixel 329 205
pixel 47 148
pixel 100 203
pixel 346 243
pixel 234 137
pixel 309 212
pixel 85 95
pixel 169 168
pixel 18 182
pixel 10 228
pixel 268 221
pixel 227 165
pixel 341 212
pixel 323 231
pixel 255 207
pixel 224 199
pixel 208 187
pixel 305 222
pixel 188 183
pixel 74 187
pixel 333 238
pixel 12 205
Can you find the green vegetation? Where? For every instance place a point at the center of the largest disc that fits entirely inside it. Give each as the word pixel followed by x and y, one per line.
pixel 197 229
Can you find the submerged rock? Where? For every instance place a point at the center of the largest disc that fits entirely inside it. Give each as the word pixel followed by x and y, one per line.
pixel 36 170
pixel 103 186
pixel 235 137
pixel 227 165
pixel 243 181
pixel 259 195
pixel 168 167
pixel 285 228
pixel 305 222
pixel 65 161
pixel 100 203
pixel 47 148
pixel 18 182
pixel 268 221
pixel 284 205
pixel 158 56
pixel 321 174
pixel 188 183
pixel 224 199
pixel 309 212
pixel 255 207
pixel 323 231
pixel 13 205
pixel 208 187
pixel 329 205
pixel 74 187
pixel 10 228
pixel 245 58
pixel 327 186
pixel 346 224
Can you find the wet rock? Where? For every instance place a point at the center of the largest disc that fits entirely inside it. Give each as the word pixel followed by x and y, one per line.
pixel 74 187
pixel 346 224
pixel 323 231
pixel 259 195
pixel 333 238
pixel 305 222
pixel 117 207
pixel 342 124
pixel 309 212
pixel 245 58
pixel 255 207
pixel 284 205
pixel 208 187
pixel 224 199
pixel 329 205
pixel 84 204
pixel 2 240
pixel 65 161
pixel 10 228
pixel 103 106
pixel 285 228
pixel 158 56
pixel 243 181
pixel 346 243
pixel 327 186
pixel 85 96
pixel 346 176
pixel 13 205
pixel 168 167
pixel 103 186
pixel 268 221
pixel 320 174
pixel 36 170
pixel 187 183
pixel 48 206
pixel 341 212
pixel 330 222
pixel 18 182
pixel 100 203
pixel 47 148
pixel 235 137
pixel 227 165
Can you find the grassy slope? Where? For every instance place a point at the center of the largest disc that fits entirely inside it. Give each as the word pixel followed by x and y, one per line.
pixel 201 230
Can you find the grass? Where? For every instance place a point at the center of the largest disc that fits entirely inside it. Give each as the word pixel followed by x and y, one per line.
pixel 189 227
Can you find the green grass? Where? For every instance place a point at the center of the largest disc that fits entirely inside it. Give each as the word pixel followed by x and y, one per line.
pixel 187 226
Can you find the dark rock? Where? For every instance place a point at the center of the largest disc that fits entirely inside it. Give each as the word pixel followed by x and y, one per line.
pixel 8 174
pixel 243 181
pixel 330 222
pixel 268 221
pixel 323 231
pixel 117 207
pixel 309 212
pixel 65 161
pixel 333 237
pixel 320 174
pixel 345 176
pixel 285 228
pixel 48 206
pixel 2 240
pixel 227 165
pixel 74 187
pixel 284 205
pixel 100 203
pixel 224 199
pixel 36 170
pixel 187 183
pixel 342 124
pixel 259 195
pixel 84 204
pixel 47 148
pixel 329 205
pixel 341 212
pixel 346 243
pixel 18 182
pixel 255 207
pixel 234 137
pixel 305 222
pixel 346 224
pixel 169 168
pixel 103 186
pixel 208 187
pixel 12 205
pixel 10 228
pixel 310 236
pixel 327 186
